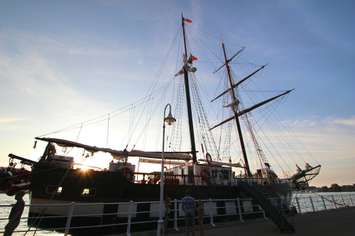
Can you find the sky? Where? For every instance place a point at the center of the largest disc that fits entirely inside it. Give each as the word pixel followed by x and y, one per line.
pixel 65 62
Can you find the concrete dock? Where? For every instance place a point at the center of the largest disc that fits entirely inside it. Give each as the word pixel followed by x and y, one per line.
pixel 339 222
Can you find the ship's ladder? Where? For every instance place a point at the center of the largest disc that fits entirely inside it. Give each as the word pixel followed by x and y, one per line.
pixel 274 213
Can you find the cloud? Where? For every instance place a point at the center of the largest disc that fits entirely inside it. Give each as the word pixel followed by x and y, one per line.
pixel 35 89
pixel 345 122
pixel 55 46
pixel 37 75
pixel 38 85
pixel 44 75
pixel 9 120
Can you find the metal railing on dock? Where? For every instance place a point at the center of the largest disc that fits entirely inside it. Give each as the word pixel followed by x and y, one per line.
pixel 322 202
pixel 214 211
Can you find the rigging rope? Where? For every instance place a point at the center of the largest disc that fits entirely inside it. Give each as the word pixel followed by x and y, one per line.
pixel 259 151
pixel 207 136
pixel 281 138
pixel 275 153
pixel 141 101
pixel 108 129
pixel 97 119
pixel 282 129
pixel 158 75
pixel 176 132
pixel 227 128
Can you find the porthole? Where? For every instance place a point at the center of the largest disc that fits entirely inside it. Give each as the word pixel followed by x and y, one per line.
pixel 88 192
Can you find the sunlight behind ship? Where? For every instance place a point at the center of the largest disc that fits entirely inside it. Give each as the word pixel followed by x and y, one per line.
pixel 84 169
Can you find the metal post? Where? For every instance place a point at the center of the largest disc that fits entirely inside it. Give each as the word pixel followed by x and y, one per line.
pixel 351 200
pixel 343 200
pixel 169 120
pixel 240 210
pixel 211 213
pixel 161 201
pixel 325 206
pixel 129 218
pixel 311 200
pixel 176 215
pixel 69 217
pixel 298 205
pixel 264 215
pixel 335 204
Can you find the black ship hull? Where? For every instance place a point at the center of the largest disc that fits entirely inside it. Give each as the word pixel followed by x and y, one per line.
pixel 113 187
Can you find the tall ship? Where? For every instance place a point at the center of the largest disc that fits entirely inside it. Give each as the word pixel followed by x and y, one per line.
pixel 204 170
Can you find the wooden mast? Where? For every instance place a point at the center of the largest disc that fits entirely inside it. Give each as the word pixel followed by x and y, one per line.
pixel 187 92
pixel 235 105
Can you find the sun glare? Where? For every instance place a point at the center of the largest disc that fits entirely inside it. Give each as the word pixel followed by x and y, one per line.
pixel 84 169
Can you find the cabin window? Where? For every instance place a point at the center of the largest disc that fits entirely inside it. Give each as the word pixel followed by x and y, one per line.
pixel 88 192
pixel 53 189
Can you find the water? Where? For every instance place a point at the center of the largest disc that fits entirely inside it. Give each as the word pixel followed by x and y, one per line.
pixel 4 213
pixel 307 202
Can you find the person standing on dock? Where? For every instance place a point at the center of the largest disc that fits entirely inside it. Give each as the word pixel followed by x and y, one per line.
pixel 189 207
pixel 15 214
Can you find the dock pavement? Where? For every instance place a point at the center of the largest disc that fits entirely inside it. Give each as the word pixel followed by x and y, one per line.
pixel 338 222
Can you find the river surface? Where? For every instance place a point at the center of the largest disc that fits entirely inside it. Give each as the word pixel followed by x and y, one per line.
pixel 4 213
pixel 320 201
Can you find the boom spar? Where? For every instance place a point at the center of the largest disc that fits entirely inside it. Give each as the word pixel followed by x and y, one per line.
pixel 238 83
pixel 240 113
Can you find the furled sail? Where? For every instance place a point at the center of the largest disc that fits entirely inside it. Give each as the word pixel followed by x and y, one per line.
pixel 118 154
pixel 219 163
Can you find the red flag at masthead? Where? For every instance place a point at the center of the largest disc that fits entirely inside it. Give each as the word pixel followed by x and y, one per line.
pixel 188 21
pixel 192 58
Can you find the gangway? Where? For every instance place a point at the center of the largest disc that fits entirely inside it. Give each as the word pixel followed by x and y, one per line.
pixel 275 214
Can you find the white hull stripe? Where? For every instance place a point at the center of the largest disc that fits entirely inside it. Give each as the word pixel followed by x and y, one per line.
pixel 62 208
